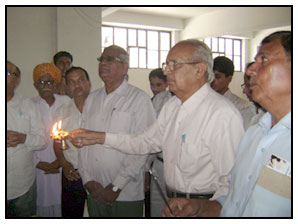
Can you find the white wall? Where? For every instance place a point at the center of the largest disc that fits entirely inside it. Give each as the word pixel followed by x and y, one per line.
pixel 79 32
pixel 35 34
pixel 31 40
pixel 236 21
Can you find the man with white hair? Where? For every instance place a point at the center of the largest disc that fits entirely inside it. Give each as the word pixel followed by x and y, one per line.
pixel 114 180
pixel 197 130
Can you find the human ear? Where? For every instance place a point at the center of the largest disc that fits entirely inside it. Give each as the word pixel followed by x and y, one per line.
pixel 201 69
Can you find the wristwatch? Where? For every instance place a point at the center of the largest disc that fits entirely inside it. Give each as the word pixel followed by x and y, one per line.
pixel 115 189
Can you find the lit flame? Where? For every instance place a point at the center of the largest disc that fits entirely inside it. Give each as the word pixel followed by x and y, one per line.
pixel 58 133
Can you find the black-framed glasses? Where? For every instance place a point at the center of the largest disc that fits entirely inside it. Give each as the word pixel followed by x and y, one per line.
pixel 108 59
pixel 173 64
pixel 243 86
pixel 43 82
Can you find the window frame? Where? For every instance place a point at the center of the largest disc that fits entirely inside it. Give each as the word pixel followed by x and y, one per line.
pixel 225 50
pixel 142 47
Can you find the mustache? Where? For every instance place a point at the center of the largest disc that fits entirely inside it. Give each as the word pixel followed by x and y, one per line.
pixel 78 89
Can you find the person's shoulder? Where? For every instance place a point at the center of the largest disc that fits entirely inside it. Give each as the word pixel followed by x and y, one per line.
pixel 135 90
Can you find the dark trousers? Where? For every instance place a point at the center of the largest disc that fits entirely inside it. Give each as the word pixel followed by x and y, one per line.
pixel 73 198
pixel 119 209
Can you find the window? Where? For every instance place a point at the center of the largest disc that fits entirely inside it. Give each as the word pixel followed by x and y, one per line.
pixel 147 48
pixel 231 48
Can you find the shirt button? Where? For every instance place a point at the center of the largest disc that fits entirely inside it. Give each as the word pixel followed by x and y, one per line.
pixel 262 150
pixel 249 177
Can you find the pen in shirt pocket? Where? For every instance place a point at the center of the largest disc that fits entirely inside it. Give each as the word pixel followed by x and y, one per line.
pixel 183 139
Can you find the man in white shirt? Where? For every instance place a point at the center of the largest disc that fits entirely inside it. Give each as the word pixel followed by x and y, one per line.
pixel 114 180
pixel 197 130
pixel 223 69
pixel 73 192
pixel 25 134
pixel 257 189
pixel 48 175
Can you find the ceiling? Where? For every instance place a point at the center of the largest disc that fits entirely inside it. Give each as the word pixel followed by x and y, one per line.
pixel 174 12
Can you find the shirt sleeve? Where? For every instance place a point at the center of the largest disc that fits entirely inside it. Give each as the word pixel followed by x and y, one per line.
pixel 224 143
pixel 36 138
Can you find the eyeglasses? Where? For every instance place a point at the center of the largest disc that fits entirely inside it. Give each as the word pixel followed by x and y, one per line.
pixel 172 64
pixel 11 73
pixel 243 86
pixel 108 59
pixel 49 83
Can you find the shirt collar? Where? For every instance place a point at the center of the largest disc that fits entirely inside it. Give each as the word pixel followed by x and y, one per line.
pixel 121 90
pixel 192 102
pixel 266 121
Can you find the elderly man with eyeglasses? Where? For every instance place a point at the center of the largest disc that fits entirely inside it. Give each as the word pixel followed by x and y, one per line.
pixel 197 130
pixel 114 180
pixel 48 175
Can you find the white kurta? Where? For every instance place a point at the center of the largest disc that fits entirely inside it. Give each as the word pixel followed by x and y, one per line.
pixel 198 138
pixel 23 117
pixel 48 185
pixel 125 110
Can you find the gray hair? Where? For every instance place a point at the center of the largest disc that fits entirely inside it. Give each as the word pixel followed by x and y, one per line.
pixel 123 55
pixel 202 53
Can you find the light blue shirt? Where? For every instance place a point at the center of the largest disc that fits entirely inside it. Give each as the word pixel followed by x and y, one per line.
pixel 246 196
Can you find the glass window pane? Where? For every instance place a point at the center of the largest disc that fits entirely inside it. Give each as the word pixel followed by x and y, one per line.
pixel 214 44
pixel 163 57
pixel 141 38
pixel 221 45
pixel 208 42
pixel 152 40
pixel 142 58
pixel 165 41
pixel 152 59
pixel 133 57
pixel 107 36
pixel 214 55
pixel 229 47
pixel 121 37
pixel 237 47
pixel 230 56
pixel 237 63
pixel 132 37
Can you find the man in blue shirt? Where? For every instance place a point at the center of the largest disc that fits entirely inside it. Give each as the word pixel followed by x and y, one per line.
pixel 260 181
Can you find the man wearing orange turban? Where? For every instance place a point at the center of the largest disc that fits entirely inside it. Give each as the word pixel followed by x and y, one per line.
pixel 48 176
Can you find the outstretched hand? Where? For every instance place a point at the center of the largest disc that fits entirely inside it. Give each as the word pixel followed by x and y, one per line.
pixel 82 137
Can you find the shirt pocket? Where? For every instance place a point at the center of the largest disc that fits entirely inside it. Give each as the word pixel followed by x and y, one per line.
pixel 24 120
pixel 188 158
pixel 121 122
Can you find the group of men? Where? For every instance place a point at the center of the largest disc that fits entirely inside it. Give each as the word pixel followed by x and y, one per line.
pixel 211 168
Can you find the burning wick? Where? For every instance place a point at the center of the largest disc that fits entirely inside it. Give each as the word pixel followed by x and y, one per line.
pixel 59 134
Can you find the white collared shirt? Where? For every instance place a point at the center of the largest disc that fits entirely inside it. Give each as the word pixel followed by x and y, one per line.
pixel 125 110
pixel 198 139
pixel 23 117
